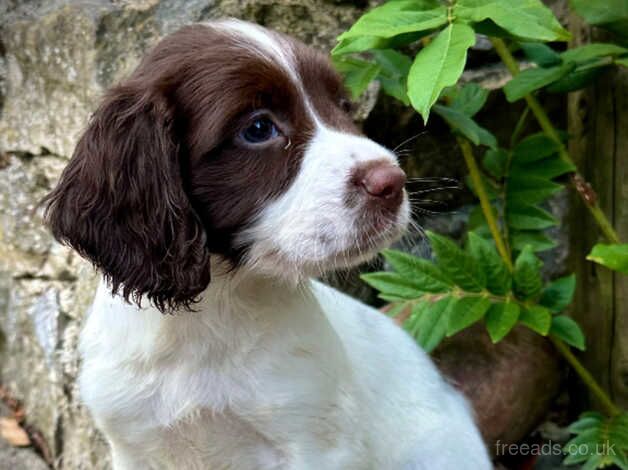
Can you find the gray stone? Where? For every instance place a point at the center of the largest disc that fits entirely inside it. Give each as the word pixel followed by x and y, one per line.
pixel 18 458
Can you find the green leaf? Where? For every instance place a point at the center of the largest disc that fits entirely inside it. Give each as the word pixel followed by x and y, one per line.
pixel 495 161
pixel 394 68
pixel 547 169
pixel 541 54
pixel 477 222
pixel 464 124
pixel 576 80
pixel 621 460
pixel 534 148
pixel 558 294
pixel 438 65
pixel 586 420
pixel 581 448
pixel 529 218
pixel 525 19
pixel 609 14
pixel 369 43
pixel 532 79
pixel 466 312
pixel 393 284
pixel 500 319
pixel 537 318
pixel 527 274
pixel 538 241
pixel 623 61
pixel 486 257
pixel 356 44
pixel 431 322
pixel 398 17
pixel 607 11
pixel 526 190
pixel 489 28
pixel 396 308
pixel 599 442
pixel 592 51
pixel 422 272
pixel 390 298
pixel 357 73
pixel 490 187
pixel 568 330
pixel 614 256
pixel 393 63
pixel 470 99
pixel 455 263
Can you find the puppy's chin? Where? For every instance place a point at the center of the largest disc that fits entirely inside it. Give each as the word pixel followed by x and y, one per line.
pixel 323 252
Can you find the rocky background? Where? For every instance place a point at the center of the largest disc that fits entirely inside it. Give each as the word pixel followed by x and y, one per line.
pixel 56 59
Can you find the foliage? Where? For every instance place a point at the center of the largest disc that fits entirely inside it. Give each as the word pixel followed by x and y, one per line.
pixel 464 286
pixel 599 441
pixel 612 256
pixel 498 282
pixel 520 181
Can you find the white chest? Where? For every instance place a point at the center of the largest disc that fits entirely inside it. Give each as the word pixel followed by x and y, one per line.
pixel 277 393
pixel 305 380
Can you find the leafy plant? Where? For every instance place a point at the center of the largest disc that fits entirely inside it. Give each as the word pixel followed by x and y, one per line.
pixel 496 278
pixel 599 441
pixel 613 256
pixel 462 287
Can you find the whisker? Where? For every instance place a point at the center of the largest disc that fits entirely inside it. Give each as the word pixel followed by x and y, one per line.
pixel 435 179
pixel 409 140
pixel 433 190
pixel 429 201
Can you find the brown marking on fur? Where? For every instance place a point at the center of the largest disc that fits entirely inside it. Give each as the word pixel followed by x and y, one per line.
pixel 324 87
pixel 160 179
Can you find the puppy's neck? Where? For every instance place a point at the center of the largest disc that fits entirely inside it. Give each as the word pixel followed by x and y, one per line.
pixel 236 311
pixel 244 289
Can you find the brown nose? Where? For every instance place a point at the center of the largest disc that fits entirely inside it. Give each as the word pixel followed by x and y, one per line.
pixel 384 181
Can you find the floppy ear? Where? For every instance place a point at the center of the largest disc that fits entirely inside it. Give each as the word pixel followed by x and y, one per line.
pixel 121 203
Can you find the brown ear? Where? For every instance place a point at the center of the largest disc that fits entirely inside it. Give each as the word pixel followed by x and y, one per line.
pixel 121 204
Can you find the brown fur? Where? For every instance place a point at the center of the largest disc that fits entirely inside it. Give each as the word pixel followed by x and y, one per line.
pixel 160 180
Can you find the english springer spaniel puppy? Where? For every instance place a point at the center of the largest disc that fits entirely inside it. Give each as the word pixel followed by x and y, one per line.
pixel 208 189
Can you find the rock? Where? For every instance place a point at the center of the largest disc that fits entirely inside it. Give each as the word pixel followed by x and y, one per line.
pixel 17 458
pixel 510 384
pixel 56 59
pixel 14 458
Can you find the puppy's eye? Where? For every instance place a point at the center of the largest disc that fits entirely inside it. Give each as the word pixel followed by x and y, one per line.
pixel 260 130
pixel 345 105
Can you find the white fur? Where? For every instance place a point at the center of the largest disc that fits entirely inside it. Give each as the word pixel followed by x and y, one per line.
pixel 309 229
pixel 261 42
pixel 264 376
pixel 273 370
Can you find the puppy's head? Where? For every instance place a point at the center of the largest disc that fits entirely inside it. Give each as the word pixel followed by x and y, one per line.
pixel 227 140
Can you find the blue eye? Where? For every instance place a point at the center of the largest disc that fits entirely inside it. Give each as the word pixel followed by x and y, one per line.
pixel 260 130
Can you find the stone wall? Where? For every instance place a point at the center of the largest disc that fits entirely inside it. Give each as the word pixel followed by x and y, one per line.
pixel 56 58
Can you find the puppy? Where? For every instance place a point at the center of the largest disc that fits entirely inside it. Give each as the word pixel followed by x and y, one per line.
pixel 208 189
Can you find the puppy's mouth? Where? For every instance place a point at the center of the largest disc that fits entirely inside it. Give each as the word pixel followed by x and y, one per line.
pixel 375 230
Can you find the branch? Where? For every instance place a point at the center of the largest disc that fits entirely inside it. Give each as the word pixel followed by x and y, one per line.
pixel 584 189
pixel 485 203
pixel 611 408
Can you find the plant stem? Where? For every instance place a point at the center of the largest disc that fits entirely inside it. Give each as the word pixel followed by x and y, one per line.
pixel 587 378
pixel 521 124
pixel 546 125
pixel 485 203
pixel 590 200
